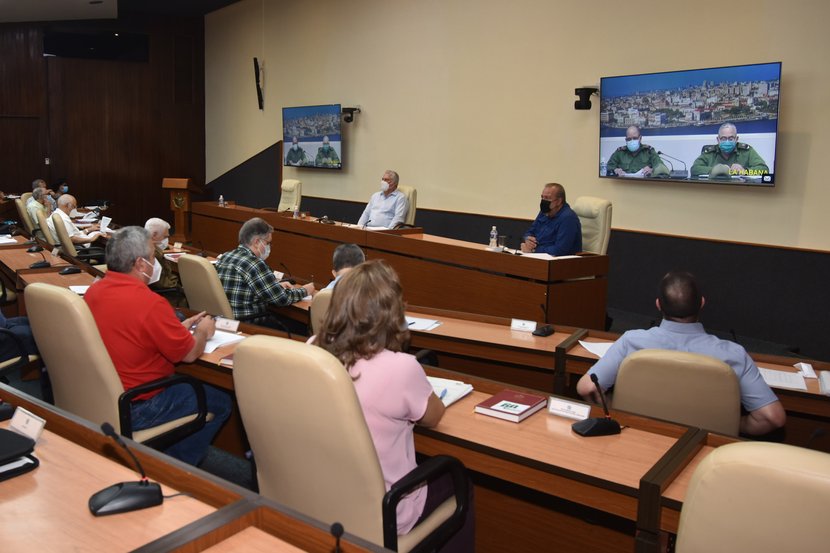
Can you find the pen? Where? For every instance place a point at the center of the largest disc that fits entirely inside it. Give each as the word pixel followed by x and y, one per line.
pixel 443 393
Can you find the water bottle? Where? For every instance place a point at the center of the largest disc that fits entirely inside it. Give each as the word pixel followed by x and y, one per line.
pixel 494 237
pixel 296 212
pixel 603 167
pixel 221 200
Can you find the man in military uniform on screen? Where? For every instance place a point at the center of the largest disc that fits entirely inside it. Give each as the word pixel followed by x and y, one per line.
pixel 729 157
pixel 326 156
pixel 636 158
pixel 296 155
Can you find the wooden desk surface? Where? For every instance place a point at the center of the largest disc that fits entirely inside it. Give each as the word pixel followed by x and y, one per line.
pixel 253 540
pixel 47 510
pixel 18 258
pixel 52 276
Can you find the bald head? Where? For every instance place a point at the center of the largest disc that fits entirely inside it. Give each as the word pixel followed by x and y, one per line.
pixel 67 203
pixel 680 298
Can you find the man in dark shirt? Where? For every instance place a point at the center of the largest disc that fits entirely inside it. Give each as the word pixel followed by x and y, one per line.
pixel 556 230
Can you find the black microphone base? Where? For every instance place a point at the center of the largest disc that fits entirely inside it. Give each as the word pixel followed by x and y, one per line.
pixel 596 427
pixel 125 497
pixel 678 174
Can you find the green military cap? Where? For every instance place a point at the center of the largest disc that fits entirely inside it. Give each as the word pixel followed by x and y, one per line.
pixel 720 170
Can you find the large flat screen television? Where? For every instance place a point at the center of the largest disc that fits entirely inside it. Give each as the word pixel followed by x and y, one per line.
pixel 311 137
pixel 717 125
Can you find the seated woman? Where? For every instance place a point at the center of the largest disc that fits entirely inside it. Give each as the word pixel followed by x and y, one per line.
pixel 365 328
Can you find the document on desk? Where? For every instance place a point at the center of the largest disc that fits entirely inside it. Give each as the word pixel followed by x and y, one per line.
pixel 80 290
pixel 449 391
pixel 222 338
pixel 417 323
pixel 783 379
pixel 544 256
pixel 597 348
pixel 7 239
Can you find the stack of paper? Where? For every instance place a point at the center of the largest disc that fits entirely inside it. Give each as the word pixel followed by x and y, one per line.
pixel 449 391
pixel 783 379
pixel 222 338
pixel 417 323
pixel 597 348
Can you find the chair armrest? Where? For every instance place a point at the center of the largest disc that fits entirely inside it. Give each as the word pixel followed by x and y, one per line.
pixel 125 400
pixel 429 470
pixel 22 354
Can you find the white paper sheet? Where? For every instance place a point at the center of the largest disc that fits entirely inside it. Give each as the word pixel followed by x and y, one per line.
pixel 80 290
pixel 449 391
pixel 597 348
pixel 783 379
pixel 417 323
pixel 222 338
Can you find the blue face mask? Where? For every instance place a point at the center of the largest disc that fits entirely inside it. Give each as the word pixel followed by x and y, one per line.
pixel 633 145
pixel 727 146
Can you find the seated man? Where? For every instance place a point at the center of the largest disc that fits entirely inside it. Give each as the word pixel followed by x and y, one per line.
pixel 145 339
pixel 9 347
pixel 345 258
pixel 680 302
pixel 38 202
pixel 729 157
pixel 248 281
pixel 51 196
pixel 636 158
pixel 387 208
pixel 326 155
pixel 556 230
pixel 83 238
pixel 159 230
pixel 296 155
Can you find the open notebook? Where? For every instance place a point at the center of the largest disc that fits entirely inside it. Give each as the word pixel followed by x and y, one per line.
pixel 449 391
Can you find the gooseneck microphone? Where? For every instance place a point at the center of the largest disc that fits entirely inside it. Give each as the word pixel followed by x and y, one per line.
pixel 336 531
pixel 126 496
pixel 40 264
pixel 286 276
pixel 202 252
pixel 366 224
pixel 599 426
pixel 683 174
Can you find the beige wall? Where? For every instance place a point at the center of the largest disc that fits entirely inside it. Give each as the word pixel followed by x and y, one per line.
pixel 472 101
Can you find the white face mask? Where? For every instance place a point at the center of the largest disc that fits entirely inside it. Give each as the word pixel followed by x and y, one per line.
pixel 156 272
pixel 266 252
pixel 163 244
pixel 384 186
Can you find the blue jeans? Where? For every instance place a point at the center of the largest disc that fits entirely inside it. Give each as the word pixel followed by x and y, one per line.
pixel 179 401
pixel 20 328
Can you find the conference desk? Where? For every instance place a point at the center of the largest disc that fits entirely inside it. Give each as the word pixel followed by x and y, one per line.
pixel 434 271
pixel 46 509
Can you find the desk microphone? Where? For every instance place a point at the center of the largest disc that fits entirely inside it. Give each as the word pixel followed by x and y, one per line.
pixel 286 276
pixel 126 496
pixel 202 252
pixel 336 531
pixel 598 426
pixel 366 224
pixel 40 264
pixel 681 174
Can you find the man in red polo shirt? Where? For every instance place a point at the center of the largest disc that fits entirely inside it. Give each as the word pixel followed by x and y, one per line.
pixel 145 340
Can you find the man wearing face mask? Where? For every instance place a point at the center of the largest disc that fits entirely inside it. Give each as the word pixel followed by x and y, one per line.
pixel 82 238
pixel 636 158
pixel 159 230
pixel 729 157
pixel 326 155
pixel 556 230
pixel 248 281
pixel 387 208
pixel 296 155
pixel 145 339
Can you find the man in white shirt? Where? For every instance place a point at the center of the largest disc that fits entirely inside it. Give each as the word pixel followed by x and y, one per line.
pixel 387 208
pixel 66 203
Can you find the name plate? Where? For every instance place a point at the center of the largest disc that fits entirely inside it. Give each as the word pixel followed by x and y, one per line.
pixel 523 326
pixel 229 325
pixel 568 409
pixel 26 423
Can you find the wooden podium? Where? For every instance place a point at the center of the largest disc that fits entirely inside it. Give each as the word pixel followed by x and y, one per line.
pixel 180 190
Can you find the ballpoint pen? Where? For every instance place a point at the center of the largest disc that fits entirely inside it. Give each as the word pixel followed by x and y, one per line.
pixel 443 393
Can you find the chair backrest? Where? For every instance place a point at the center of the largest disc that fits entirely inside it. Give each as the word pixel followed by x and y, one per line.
pixel 28 224
pixel 303 419
pixel 25 197
pixel 44 228
pixel 595 216
pixel 319 308
pixel 688 388
pixel 84 380
pixel 202 286
pixel 759 497
pixel 63 237
pixel 411 194
pixel 291 194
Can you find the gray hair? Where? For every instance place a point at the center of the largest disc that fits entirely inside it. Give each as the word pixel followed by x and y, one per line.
pixel 728 126
pixel 126 246
pixel 154 225
pixel 347 255
pixel 394 175
pixel 558 190
pixel 253 229
pixel 65 200
pixel 38 183
pixel 38 193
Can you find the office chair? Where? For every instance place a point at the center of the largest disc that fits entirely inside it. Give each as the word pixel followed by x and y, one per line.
pixel 90 255
pixel 411 194
pixel 291 194
pixel 757 496
pixel 688 388
pixel 84 380
pixel 21 360
pixel 47 232
pixel 25 197
pixel 595 216
pixel 318 309
pixel 313 449
pixel 202 286
pixel 28 224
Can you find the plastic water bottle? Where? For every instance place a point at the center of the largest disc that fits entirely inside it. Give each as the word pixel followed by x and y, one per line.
pixel 221 200
pixel 603 167
pixel 494 237
pixel 296 212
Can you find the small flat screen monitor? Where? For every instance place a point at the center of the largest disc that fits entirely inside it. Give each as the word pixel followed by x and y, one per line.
pixel 311 137
pixel 717 125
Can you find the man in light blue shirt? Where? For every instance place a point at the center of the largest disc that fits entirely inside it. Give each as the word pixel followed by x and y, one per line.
pixel 680 302
pixel 387 208
pixel 346 257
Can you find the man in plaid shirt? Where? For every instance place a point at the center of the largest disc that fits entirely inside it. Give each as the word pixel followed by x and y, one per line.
pixel 248 281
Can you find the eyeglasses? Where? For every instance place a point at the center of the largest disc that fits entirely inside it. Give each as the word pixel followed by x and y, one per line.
pixel 727 138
